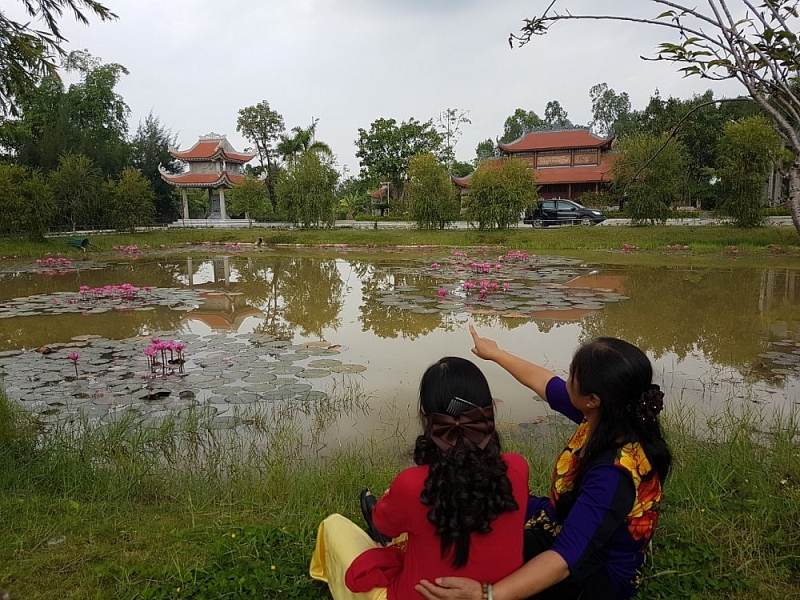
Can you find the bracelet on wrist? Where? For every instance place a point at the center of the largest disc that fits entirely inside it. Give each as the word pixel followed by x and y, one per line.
pixel 486 591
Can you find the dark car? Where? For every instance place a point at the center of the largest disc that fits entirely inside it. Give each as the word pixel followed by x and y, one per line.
pixel 562 212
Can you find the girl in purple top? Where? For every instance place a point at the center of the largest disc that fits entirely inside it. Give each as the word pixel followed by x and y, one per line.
pixel 588 538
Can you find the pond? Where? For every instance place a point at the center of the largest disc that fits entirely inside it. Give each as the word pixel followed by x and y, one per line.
pixel 261 330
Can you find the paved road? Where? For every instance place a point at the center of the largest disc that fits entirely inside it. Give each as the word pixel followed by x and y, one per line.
pixel 345 224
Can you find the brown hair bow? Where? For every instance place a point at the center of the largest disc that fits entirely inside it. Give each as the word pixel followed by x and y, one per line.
pixel 477 425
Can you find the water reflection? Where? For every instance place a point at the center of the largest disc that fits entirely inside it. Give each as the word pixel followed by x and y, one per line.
pixel 704 327
pixel 729 316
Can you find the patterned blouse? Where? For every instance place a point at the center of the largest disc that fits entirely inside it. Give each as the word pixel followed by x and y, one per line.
pixel 608 521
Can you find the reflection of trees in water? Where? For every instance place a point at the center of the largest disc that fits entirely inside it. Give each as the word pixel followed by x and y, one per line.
pixel 304 293
pixel 312 293
pixel 32 332
pixel 388 321
pixel 724 314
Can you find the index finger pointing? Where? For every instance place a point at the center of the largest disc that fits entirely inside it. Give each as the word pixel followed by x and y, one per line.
pixel 473 333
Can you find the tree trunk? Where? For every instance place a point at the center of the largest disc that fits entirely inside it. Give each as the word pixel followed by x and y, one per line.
pixel 271 185
pixel 794 193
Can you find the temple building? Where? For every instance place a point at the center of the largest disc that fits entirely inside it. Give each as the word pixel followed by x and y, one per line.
pixel 213 166
pixel 566 163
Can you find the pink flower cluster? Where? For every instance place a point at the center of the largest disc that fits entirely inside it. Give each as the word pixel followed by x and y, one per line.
pixel 485 267
pixel 125 291
pixel 629 248
pixel 677 247
pixel 518 256
pixel 133 249
pixel 54 262
pixel 160 348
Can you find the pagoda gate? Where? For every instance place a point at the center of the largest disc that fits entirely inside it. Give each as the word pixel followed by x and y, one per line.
pixel 213 166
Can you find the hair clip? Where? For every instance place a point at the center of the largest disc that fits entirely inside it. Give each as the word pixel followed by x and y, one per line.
pixel 458 405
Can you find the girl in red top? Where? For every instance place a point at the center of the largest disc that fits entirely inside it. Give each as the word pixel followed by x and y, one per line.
pixel 462 507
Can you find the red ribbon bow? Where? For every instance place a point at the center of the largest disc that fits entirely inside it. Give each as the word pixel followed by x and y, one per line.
pixel 477 425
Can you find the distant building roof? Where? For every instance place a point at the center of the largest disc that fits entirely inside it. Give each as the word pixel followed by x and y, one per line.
pixel 379 193
pixel 213 146
pixel 556 139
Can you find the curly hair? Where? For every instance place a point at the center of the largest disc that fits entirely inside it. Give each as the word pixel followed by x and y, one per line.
pixel 467 488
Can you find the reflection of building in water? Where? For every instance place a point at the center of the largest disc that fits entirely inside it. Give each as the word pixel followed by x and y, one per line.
pixel 615 283
pixel 220 271
pixel 780 289
pixel 222 311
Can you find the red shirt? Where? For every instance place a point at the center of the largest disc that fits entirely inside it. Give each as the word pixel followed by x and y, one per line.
pixel 492 555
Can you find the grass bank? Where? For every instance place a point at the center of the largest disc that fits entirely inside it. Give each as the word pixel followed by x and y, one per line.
pixel 701 241
pixel 182 510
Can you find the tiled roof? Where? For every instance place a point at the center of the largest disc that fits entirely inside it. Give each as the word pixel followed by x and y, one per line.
pixel 202 180
pixel 549 175
pixel 379 193
pixel 211 149
pixel 586 174
pixel 556 140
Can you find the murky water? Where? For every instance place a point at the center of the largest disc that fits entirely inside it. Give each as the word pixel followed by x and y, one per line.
pixel 265 327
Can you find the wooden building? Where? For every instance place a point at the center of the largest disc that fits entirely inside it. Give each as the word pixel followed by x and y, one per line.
pixel 566 163
pixel 214 166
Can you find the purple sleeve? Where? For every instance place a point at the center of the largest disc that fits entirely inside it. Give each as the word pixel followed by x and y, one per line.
pixel 558 399
pixel 606 497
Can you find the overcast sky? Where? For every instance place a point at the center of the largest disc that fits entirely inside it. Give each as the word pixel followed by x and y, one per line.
pixel 195 63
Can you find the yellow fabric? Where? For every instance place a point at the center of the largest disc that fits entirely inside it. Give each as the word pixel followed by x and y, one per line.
pixel 339 542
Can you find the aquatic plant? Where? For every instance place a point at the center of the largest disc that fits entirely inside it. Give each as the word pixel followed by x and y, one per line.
pixel 74 357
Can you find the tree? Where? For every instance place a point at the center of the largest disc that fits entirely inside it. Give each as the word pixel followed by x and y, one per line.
pixel 500 193
pixel 303 140
pixel 27 201
pixel 262 127
pixel 77 185
pixel 386 149
pixel 431 195
pixel 131 201
pixel 607 108
pixel 754 43
pixel 306 193
pixel 251 199
pixel 517 124
pixel 555 115
pixel 748 149
pixel 484 150
pixel 88 118
pixel 649 186
pixel 461 169
pixel 28 54
pixel 449 123
pixel 149 150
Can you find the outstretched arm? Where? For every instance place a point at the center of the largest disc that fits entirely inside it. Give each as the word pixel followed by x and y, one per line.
pixel 530 375
pixel 536 575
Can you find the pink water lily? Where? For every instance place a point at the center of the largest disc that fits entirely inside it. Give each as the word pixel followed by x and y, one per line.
pixel 442 292
pixel 74 357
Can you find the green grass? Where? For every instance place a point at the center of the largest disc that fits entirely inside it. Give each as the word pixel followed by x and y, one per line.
pixel 183 511
pixel 708 240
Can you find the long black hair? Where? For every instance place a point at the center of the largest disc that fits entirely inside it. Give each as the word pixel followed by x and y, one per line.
pixel 467 488
pixel 621 375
